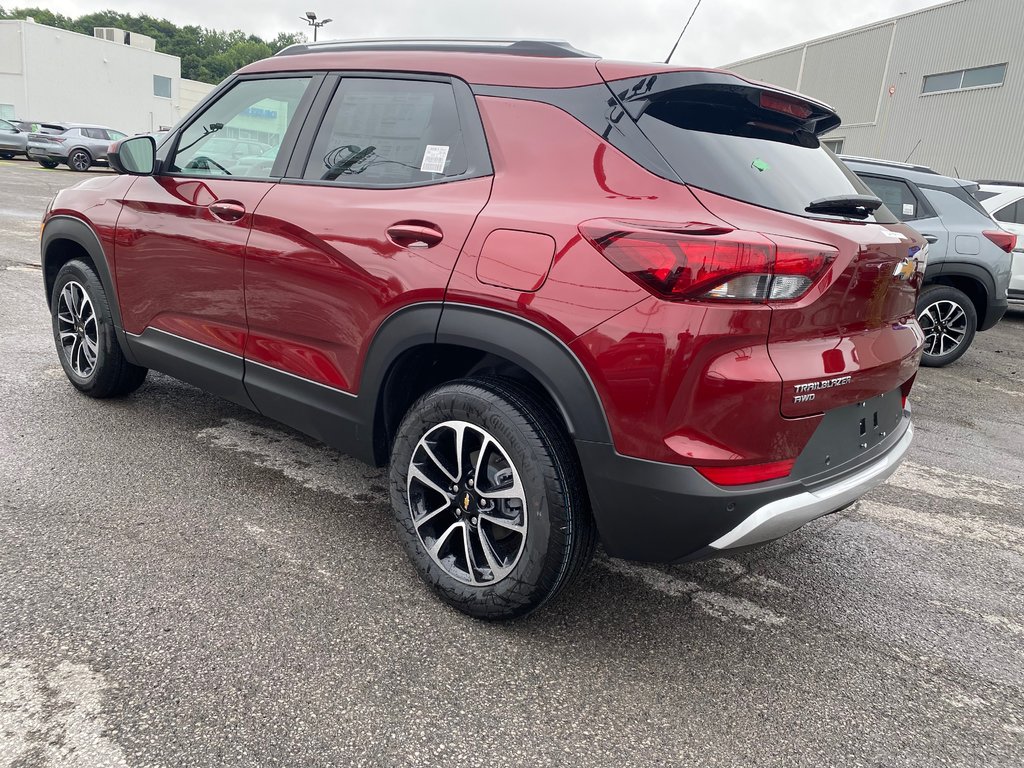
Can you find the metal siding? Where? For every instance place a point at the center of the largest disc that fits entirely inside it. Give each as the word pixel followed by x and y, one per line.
pixel 782 69
pixel 849 72
pixel 975 134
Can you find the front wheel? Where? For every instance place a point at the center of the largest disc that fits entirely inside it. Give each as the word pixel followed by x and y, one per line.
pixel 83 331
pixel 489 499
pixel 949 321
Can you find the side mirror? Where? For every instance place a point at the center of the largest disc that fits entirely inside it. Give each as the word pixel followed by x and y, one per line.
pixel 135 156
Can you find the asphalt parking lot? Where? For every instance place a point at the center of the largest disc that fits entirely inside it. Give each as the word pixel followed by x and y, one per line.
pixel 184 583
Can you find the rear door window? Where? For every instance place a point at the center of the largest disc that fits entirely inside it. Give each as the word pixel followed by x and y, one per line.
pixel 730 147
pixel 1011 214
pixel 379 132
pixel 898 197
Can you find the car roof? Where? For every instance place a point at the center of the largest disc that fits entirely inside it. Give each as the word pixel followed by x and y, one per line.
pixel 920 174
pixel 478 61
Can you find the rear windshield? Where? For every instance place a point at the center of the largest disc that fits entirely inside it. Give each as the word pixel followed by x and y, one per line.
pixel 734 149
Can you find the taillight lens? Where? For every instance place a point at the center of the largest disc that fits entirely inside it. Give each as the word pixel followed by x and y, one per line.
pixel 748 473
pixel 1005 240
pixel 790 107
pixel 703 262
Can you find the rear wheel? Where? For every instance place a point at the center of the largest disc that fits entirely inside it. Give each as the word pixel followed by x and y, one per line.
pixel 488 498
pixel 51 164
pixel 84 334
pixel 7 155
pixel 79 160
pixel 949 321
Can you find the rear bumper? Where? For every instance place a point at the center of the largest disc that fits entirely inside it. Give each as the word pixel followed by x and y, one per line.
pixel 777 518
pixel 993 314
pixel 656 512
pixel 39 153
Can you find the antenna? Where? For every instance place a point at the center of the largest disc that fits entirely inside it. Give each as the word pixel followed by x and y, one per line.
pixel 913 150
pixel 687 24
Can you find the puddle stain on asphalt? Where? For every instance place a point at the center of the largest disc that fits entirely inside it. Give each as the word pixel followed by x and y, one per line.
pixel 54 719
pixel 954 485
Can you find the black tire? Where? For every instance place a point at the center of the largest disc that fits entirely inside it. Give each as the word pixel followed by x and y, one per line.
pixel 6 155
pixel 51 164
pixel 110 374
pixel 560 535
pixel 79 160
pixel 945 313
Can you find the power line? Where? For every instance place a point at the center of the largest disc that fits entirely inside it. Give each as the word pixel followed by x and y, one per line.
pixel 687 24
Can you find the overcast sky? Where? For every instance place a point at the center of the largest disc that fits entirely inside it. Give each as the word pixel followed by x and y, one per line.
pixel 722 31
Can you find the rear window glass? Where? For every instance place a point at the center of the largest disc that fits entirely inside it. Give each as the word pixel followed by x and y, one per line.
pixel 981 195
pixel 739 151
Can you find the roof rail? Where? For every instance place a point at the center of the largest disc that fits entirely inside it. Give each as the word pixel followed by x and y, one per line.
pixel 528 47
pixel 993 183
pixel 891 163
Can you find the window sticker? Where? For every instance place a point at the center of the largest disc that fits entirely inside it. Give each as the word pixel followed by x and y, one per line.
pixel 908 209
pixel 434 157
pixel 760 165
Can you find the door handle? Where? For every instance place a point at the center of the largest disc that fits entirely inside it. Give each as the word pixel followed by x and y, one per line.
pixel 227 210
pixel 930 238
pixel 415 234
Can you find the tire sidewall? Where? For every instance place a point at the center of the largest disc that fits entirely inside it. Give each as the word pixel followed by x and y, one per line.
pixel 934 293
pixel 517 592
pixel 81 274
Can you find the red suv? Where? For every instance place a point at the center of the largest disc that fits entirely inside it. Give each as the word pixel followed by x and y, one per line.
pixel 564 298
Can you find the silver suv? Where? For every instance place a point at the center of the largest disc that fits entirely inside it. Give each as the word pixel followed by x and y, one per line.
pixel 968 273
pixel 78 145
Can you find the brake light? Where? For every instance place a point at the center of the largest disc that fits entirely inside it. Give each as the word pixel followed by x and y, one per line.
pixel 790 107
pixel 703 262
pixel 747 473
pixel 1007 241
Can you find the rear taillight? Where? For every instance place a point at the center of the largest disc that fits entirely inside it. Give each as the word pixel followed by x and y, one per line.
pixel 703 262
pixel 1007 241
pixel 790 107
pixel 747 473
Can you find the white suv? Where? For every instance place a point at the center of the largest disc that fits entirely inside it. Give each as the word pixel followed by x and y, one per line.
pixel 1005 201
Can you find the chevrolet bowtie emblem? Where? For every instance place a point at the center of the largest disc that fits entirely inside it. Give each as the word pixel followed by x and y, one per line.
pixel 905 269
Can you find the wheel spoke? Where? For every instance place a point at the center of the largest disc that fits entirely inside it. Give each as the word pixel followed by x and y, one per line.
pixel 436 547
pixel 498 571
pixel 508 524
pixel 65 335
pixel 438 463
pixel 470 560
pixel 415 473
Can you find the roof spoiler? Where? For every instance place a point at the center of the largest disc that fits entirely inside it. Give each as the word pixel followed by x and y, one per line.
pixel 638 93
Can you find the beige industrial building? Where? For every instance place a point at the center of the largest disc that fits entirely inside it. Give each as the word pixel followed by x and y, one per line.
pixel 114 78
pixel 942 87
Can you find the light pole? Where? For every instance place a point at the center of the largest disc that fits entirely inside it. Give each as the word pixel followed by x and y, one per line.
pixel 311 20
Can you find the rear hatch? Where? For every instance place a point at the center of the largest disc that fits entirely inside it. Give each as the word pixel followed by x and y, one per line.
pixel 752 157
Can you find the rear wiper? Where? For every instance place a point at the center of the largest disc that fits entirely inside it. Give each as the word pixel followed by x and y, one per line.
pixel 854 206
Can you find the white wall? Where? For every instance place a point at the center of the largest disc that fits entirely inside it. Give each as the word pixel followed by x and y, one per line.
pixel 52 74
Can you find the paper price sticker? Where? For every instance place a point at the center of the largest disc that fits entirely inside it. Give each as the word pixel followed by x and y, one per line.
pixel 434 157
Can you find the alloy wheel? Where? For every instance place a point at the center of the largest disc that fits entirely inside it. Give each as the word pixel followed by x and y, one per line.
pixel 945 327
pixel 78 329
pixel 467 502
pixel 80 161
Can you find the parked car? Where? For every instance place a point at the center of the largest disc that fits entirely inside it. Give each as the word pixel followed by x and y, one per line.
pixel 560 297
pixel 78 145
pixel 1005 201
pixel 968 272
pixel 13 141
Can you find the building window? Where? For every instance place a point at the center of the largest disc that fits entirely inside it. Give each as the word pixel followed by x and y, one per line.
pixel 6 111
pixel 162 86
pixel 836 145
pixel 979 77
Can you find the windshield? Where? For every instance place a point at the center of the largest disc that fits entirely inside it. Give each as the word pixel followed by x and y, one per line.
pixel 728 146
